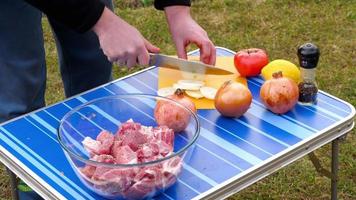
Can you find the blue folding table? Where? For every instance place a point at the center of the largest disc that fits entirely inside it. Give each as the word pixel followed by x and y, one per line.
pixel 230 154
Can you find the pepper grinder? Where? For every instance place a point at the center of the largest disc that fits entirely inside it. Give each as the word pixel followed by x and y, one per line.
pixel 308 55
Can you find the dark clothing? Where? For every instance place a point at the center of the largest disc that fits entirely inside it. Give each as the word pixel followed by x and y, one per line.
pixel 160 4
pixel 82 63
pixel 82 15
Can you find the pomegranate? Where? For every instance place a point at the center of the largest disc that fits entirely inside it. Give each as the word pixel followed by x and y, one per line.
pixel 279 94
pixel 172 115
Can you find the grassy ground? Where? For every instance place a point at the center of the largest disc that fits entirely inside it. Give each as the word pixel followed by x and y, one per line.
pixel 279 27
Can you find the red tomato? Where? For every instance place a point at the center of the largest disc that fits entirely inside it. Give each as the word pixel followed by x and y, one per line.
pixel 249 62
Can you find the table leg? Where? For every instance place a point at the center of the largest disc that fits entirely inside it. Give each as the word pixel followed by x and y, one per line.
pixel 333 174
pixel 13 183
pixel 334 168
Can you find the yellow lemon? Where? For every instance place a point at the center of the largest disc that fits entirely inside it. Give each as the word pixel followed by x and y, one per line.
pixel 288 69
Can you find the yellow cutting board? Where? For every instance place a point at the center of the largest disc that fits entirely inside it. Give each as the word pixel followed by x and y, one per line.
pixel 167 77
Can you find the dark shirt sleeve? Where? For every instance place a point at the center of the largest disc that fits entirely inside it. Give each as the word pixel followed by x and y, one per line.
pixel 82 15
pixel 79 15
pixel 160 4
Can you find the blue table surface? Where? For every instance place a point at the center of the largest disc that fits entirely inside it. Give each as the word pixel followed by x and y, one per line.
pixel 226 147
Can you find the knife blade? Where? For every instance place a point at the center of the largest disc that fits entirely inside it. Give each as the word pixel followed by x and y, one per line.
pixel 161 60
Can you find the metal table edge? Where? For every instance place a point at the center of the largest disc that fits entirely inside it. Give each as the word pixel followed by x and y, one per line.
pixel 281 159
pixel 28 176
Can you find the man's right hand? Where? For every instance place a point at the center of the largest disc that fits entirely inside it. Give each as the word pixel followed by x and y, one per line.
pixel 121 42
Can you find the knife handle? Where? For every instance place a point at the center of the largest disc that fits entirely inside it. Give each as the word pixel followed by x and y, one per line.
pixel 152 59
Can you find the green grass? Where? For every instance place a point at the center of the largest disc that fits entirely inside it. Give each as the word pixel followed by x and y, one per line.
pixel 278 26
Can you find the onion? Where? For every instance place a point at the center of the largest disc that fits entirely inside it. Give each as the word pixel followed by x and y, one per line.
pixel 279 94
pixel 233 99
pixel 171 115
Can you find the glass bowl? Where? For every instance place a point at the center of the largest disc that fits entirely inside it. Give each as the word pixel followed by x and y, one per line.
pixel 117 149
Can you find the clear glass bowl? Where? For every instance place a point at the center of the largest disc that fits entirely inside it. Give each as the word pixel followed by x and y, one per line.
pixel 154 168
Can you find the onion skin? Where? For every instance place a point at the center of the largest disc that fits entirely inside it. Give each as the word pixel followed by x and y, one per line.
pixel 279 94
pixel 171 115
pixel 233 99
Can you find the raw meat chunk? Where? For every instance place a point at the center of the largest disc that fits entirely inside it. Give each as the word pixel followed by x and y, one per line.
pixel 101 145
pixel 128 126
pixel 171 169
pixel 104 158
pixel 141 189
pixel 134 139
pixel 107 140
pixel 88 170
pixel 92 146
pixel 122 179
pixel 148 150
pixel 132 143
pixel 164 149
pixel 101 169
pixel 124 155
pixel 164 134
pixel 130 134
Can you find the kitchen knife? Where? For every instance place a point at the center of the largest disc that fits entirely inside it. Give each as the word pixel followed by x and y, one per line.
pixel 196 67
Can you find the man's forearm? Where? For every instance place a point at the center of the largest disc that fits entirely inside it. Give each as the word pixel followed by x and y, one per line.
pixel 174 13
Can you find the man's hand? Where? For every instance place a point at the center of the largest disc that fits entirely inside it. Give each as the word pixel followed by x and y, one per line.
pixel 121 42
pixel 185 30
